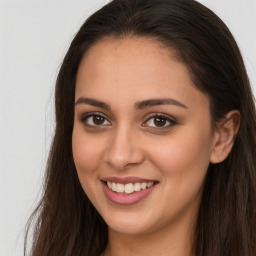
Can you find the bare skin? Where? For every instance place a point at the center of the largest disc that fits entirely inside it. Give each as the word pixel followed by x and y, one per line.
pixel 138 114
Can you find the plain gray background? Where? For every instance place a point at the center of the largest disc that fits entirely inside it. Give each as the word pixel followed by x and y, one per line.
pixel 34 36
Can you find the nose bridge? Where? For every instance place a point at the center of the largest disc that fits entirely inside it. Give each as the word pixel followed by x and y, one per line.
pixel 123 149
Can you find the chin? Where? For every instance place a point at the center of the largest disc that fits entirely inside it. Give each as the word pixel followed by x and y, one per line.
pixel 129 223
pixel 128 228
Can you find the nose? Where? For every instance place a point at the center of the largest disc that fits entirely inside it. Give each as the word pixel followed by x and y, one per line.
pixel 123 149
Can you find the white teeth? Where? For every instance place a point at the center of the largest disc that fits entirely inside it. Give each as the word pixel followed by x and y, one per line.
pixel 109 184
pixel 119 188
pixel 137 187
pixel 150 184
pixel 113 186
pixel 143 185
pixel 130 187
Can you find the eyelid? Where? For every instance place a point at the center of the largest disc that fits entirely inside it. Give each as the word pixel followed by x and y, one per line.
pixel 91 114
pixel 162 115
pixel 172 121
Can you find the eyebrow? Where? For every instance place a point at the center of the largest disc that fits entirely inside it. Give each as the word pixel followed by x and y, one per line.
pixel 155 102
pixel 93 102
pixel 138 105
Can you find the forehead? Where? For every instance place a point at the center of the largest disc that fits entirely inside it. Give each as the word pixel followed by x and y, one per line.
pixel 134 68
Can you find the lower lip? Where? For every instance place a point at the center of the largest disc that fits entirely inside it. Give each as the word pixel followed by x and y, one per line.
pixel 126 199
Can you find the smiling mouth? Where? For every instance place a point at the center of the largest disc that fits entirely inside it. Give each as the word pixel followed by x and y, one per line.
pixel 128 185
pixel 128 188
pixel 127 191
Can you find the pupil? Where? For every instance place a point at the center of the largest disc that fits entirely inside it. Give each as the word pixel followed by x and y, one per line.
pixel 98 120
pixel 159 121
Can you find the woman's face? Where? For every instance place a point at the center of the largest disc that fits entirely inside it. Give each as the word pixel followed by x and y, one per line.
pixel 142 128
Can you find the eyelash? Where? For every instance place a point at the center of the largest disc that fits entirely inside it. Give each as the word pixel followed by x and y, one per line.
pixel 84 119
pixel 166 118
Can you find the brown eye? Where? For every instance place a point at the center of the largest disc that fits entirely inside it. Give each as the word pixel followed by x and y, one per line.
pixel 95 120
pixel 159 121
pixel 98 120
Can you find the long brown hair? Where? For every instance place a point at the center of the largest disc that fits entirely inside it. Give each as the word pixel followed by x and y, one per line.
pixel 65 221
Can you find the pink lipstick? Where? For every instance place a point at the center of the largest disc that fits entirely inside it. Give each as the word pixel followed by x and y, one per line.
pixel 129 190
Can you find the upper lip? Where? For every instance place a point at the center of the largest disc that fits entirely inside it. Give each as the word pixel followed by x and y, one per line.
pixel 127 180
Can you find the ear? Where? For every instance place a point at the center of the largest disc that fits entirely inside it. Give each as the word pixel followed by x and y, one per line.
pixel 224 136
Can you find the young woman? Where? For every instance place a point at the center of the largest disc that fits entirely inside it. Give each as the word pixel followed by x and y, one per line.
pixel 155 148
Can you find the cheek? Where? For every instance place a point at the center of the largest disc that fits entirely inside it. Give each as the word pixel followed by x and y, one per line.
pixel 183 157
pixel 87 153
pixel 183 161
